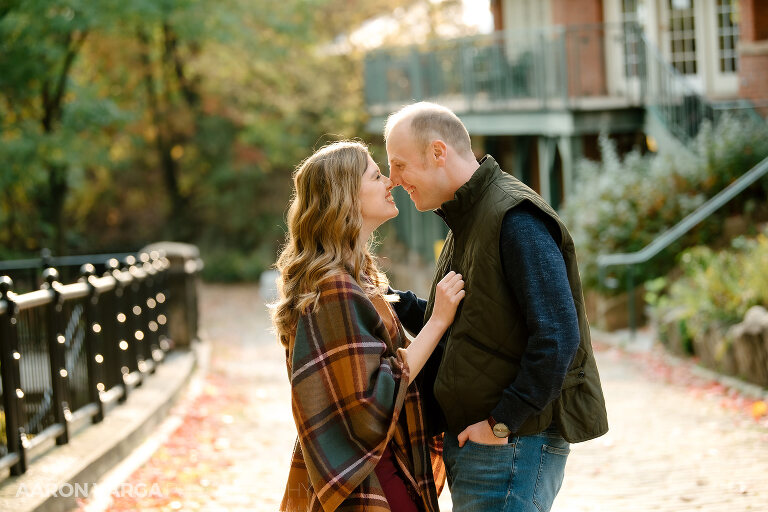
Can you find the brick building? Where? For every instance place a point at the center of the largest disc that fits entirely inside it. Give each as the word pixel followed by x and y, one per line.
pixel 753 50
pixel 556 73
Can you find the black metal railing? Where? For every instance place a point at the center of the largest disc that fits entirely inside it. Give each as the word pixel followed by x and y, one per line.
pixel 68 350
pixel 27 274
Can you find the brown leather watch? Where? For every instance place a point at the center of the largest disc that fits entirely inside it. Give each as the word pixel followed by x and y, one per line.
pixel 499 429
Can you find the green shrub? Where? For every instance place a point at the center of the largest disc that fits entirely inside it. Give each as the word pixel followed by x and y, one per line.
pixel 234 265
pixel 621 205
pixel 716 288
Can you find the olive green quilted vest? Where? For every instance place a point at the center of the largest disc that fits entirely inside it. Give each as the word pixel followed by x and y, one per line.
pixel 488 337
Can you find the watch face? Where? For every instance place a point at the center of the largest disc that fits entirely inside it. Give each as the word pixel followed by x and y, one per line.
pixel 500 430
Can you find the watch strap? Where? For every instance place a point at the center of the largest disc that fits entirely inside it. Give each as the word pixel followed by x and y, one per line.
pixel 501 431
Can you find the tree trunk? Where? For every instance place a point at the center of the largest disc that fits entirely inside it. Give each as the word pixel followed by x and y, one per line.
pixel 57 192
pixel 173 65
pixel 164 142
pixel 52 99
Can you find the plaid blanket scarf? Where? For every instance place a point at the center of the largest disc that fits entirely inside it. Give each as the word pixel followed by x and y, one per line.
pixel 350 397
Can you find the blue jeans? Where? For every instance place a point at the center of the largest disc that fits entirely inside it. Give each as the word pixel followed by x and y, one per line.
pixel 524 475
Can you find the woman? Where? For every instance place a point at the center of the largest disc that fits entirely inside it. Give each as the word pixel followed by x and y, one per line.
pixel 362 442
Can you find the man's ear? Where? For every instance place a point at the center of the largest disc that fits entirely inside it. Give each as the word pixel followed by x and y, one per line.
pixel 438 152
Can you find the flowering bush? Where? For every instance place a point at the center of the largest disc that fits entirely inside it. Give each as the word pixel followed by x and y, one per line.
pixel 621 205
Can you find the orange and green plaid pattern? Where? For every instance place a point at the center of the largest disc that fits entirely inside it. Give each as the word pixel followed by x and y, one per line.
pixel 350 397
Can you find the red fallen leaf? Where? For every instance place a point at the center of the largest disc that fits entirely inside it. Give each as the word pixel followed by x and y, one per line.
pixel 191 459
pixel 659 367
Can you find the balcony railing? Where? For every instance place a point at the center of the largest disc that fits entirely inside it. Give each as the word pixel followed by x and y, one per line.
pixel 552 68
pixel 549 68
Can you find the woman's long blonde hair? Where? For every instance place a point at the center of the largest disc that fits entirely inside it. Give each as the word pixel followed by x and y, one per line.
pixel 324 223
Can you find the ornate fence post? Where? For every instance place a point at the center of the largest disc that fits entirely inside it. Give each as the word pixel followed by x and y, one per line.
pixel 183 269
pixel 56 341
pixel 9 371
pixel 134 311
pixel 94 343
pixel 148 304
pixel 158 321
pixel 120 333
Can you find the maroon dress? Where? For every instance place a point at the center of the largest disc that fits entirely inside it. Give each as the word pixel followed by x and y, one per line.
pixel 386 470
pixel 394 487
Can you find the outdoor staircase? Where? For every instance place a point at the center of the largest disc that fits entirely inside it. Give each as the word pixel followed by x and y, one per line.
pixel 676 108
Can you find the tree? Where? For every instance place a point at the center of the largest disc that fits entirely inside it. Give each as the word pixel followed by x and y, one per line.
pixel 47 119
pixel 123 122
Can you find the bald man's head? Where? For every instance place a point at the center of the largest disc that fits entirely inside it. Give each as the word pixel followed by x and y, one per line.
pixel 429 122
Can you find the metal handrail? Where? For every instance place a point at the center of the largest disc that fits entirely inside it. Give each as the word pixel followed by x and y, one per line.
pixel 537 69
pixel 671 235
pixel 31 300
pixel 670 97
pixel 103 284
pixel 665 64
pixel 59 261
pixel 702 212
pixel 72 291
pixel 75 323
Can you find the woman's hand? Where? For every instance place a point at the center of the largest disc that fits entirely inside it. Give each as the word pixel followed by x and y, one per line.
pixel 448 295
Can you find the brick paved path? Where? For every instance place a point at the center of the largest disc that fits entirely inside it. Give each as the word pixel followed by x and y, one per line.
pixel 679 445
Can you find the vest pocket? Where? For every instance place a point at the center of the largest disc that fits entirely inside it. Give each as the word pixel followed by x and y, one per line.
pixel 577 373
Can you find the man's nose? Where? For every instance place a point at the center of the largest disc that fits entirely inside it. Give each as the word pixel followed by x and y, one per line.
pixel 394 177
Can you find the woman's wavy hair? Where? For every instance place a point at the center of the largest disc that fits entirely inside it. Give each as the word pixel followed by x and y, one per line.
pixel 324 223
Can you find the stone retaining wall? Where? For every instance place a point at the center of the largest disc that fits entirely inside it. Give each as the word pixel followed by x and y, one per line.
pixel 740 350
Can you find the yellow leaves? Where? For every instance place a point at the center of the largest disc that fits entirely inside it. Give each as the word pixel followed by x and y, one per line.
pixel 438 248
pixel 162 455
pixel 113 217
pixel 650 142
pixel 10 135
pixel 56 155
pixel 177 152
pixel 759 409
pixel 150 133
pixel 120 150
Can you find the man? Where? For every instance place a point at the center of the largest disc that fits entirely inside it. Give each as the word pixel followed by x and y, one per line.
pixel 517 380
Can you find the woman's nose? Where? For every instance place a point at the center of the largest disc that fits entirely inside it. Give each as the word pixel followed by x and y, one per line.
pixel 389 182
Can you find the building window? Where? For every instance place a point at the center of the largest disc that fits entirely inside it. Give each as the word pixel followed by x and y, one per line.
pixel 630 17
pixel 682 35
pixel 728 35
